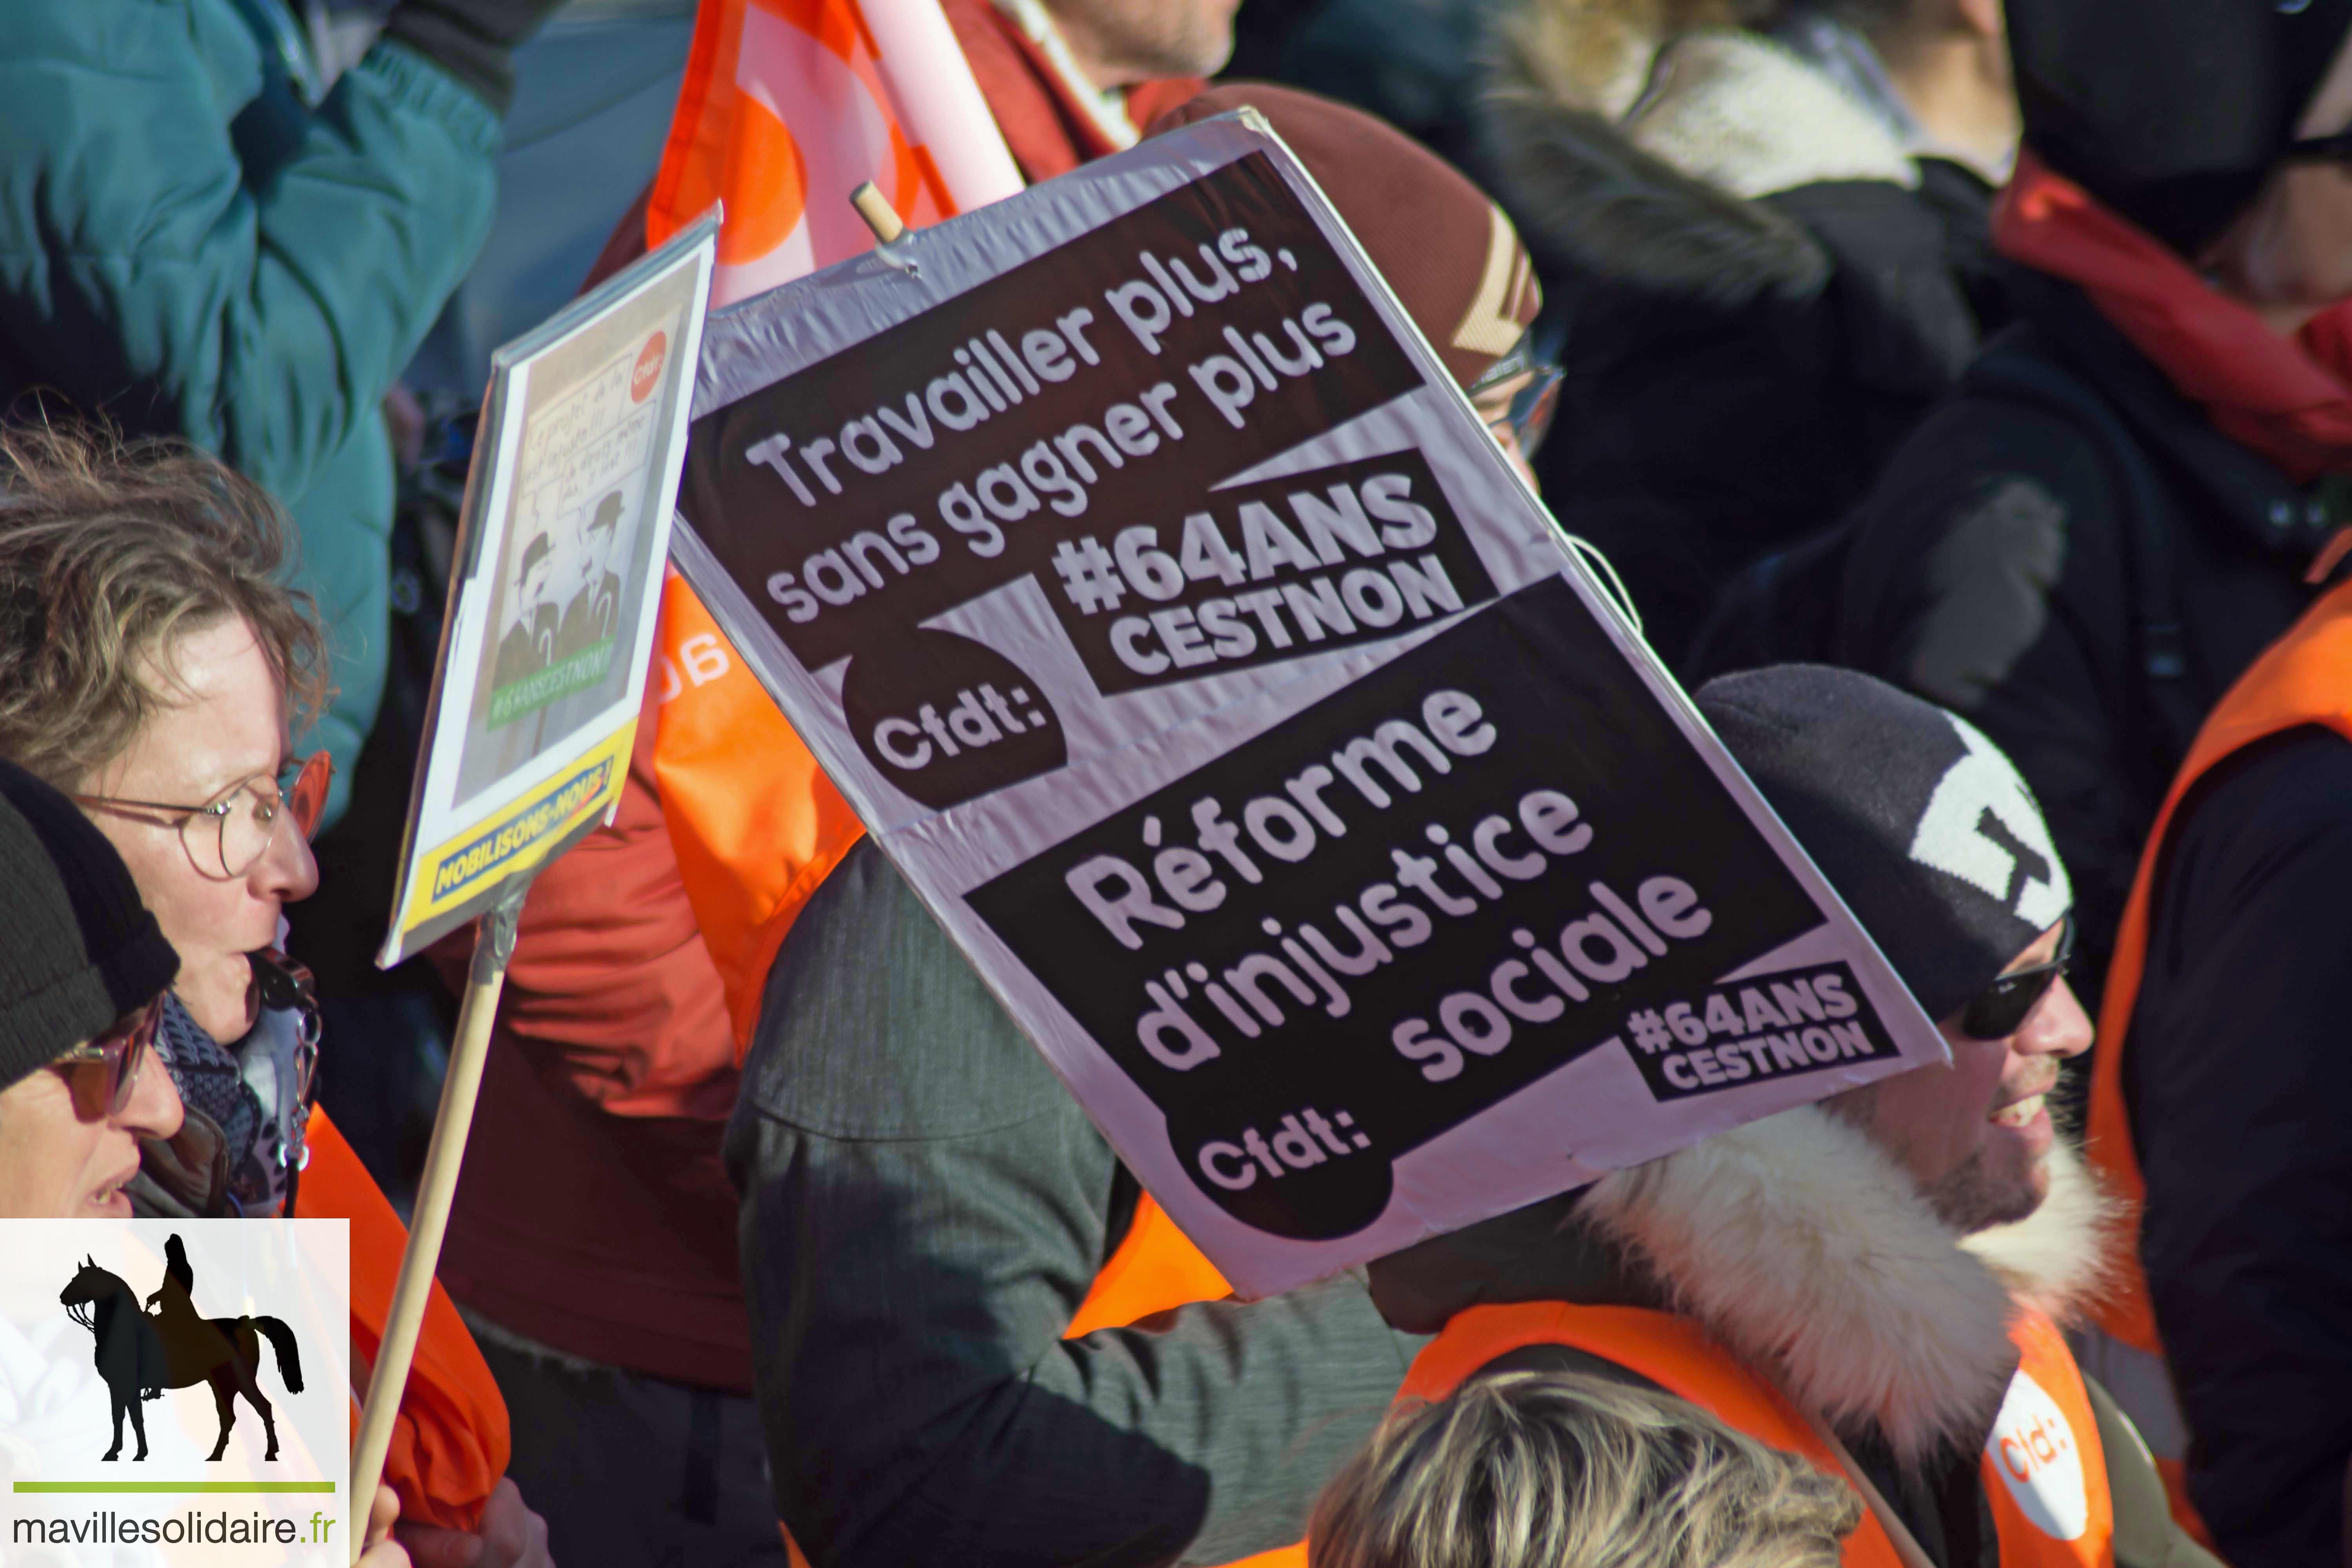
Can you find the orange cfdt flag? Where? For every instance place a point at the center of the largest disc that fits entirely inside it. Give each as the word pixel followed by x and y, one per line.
pixel 787 107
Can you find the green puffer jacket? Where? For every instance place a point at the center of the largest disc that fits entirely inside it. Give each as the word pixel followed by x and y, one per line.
pixel 188 248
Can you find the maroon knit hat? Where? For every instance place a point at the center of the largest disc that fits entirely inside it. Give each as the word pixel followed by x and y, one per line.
pixel 1455 260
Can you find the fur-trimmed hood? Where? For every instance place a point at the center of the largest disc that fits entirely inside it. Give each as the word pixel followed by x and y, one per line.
pixel 1632 137
pixel 1802 1247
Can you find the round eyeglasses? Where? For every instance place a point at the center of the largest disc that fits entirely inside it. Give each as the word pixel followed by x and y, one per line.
pixel 230 832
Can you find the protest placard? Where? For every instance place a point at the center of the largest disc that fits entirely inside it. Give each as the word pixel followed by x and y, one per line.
pixel 1139 574
pixel 563 541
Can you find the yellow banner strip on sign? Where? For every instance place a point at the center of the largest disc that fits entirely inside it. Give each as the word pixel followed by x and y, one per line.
pixel 517 839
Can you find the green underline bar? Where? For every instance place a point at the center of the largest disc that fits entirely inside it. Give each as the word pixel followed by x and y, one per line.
pixel 170 1487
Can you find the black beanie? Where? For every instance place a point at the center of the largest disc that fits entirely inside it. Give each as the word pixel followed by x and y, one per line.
pixel 1918 821
pixel 78 949
pixel 2171 112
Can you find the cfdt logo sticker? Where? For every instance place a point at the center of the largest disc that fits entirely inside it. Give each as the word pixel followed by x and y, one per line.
pixel 646 374
pixel 175 1392
pixel 2035 1452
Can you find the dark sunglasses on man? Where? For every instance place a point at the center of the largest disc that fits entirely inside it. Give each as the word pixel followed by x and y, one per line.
pixel 2000 1009
pixel 105 1071
pixel 2334 148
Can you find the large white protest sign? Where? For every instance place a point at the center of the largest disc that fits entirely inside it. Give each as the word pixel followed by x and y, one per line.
pixel 1172 621
pixel 561 545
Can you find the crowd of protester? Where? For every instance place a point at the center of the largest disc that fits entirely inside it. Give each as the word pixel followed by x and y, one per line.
pixel 1959 387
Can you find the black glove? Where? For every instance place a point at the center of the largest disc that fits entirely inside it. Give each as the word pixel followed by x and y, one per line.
pixel 471 39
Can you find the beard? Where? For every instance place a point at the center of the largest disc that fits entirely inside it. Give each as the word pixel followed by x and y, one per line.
pixel 1973 1195
pixel 1983 1191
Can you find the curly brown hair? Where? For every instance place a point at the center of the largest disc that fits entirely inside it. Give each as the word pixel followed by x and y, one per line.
pixel 110 552
pixel 1535 1470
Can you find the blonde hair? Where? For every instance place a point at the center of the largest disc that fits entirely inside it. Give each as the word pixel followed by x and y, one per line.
pixel 110 552
pixel 1558 1470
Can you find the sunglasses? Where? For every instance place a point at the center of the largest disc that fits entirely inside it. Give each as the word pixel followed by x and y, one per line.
pixel 235 828
pixel 2000 1009
pixel 116 1056
pixel 2334 149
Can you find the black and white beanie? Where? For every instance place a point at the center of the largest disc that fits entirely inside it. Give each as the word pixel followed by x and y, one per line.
pixel 1920 823
pixel 78 951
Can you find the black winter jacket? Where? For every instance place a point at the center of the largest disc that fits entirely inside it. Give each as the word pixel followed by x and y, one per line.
pixel 1750 327
pixel 2070 556
pixel 2238 1088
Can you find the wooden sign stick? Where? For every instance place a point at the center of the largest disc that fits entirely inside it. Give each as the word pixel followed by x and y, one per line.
pixel 493 946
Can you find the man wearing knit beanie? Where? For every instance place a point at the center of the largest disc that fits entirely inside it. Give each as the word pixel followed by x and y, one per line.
pixel 80 960
pixel 1892 1266
pixel 2116 510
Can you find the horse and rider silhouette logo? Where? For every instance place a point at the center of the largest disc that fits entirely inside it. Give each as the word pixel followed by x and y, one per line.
pixel 142 1353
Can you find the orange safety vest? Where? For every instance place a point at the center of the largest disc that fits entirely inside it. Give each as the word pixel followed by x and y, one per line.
pixel 2045 1439
pixel 2044 1469
pixel 449 1444
pixel 755 823
pixel 2304 677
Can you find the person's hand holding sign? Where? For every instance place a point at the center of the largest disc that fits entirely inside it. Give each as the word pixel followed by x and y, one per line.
pixel 512 1536
pixel 380 1550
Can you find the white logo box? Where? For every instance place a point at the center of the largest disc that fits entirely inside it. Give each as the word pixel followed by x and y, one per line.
pixel 282 1289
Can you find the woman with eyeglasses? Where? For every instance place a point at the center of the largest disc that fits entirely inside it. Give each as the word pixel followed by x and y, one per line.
pixel 156 679
pixel 84 974
pixel 154 667
pixel 214 815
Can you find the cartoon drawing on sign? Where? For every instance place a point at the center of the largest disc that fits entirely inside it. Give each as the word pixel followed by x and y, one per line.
pixel 527 643
pixel 593 613
pixel 571 561
pixel 139 1356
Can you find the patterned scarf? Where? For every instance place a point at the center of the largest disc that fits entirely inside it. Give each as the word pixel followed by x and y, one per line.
pixel 213 1079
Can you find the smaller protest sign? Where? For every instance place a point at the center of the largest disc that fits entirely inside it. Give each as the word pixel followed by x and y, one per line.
pixel 1141 577
pixel 563 544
